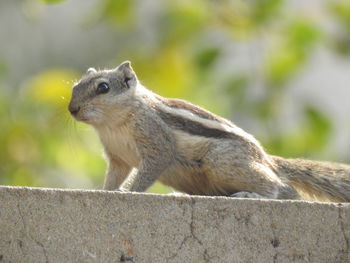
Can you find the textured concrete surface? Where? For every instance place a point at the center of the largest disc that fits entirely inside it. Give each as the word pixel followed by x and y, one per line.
pixel 52 225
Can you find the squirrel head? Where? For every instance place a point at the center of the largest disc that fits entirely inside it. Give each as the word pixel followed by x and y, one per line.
pixel 104 95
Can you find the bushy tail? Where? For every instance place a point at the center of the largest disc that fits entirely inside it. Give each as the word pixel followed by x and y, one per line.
pixel 323 181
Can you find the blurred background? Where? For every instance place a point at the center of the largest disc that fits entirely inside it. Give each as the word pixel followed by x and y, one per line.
pixel 278 69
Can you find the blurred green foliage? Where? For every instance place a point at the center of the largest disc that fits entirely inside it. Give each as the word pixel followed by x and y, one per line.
pixel 341 14
pixel 42 146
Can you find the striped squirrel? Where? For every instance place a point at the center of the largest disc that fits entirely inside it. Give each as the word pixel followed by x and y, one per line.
pixel 147 137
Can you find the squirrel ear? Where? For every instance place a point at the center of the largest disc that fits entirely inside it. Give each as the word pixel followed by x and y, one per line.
pixel 90 71
pixel 127 73
pixel 126 69
pixel 125 64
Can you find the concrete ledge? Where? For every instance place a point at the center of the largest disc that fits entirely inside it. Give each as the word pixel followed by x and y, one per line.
pixel 53 225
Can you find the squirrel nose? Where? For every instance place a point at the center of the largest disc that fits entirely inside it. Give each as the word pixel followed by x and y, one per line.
pixel 73 110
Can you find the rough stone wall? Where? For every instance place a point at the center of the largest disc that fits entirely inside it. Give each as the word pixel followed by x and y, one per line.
pixel 53 225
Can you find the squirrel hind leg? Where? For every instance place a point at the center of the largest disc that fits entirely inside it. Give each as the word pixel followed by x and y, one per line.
pixel 288 192
pixel 248 195
pixel 285 192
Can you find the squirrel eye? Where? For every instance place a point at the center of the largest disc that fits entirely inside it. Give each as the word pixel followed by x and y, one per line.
pixel 102 88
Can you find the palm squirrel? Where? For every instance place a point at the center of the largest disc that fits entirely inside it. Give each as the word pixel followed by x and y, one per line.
pixel 147 137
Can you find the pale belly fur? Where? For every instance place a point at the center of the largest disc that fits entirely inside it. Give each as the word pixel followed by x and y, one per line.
pixel 121 144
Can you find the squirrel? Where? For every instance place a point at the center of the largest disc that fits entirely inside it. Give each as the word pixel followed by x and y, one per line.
pixel 147 137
